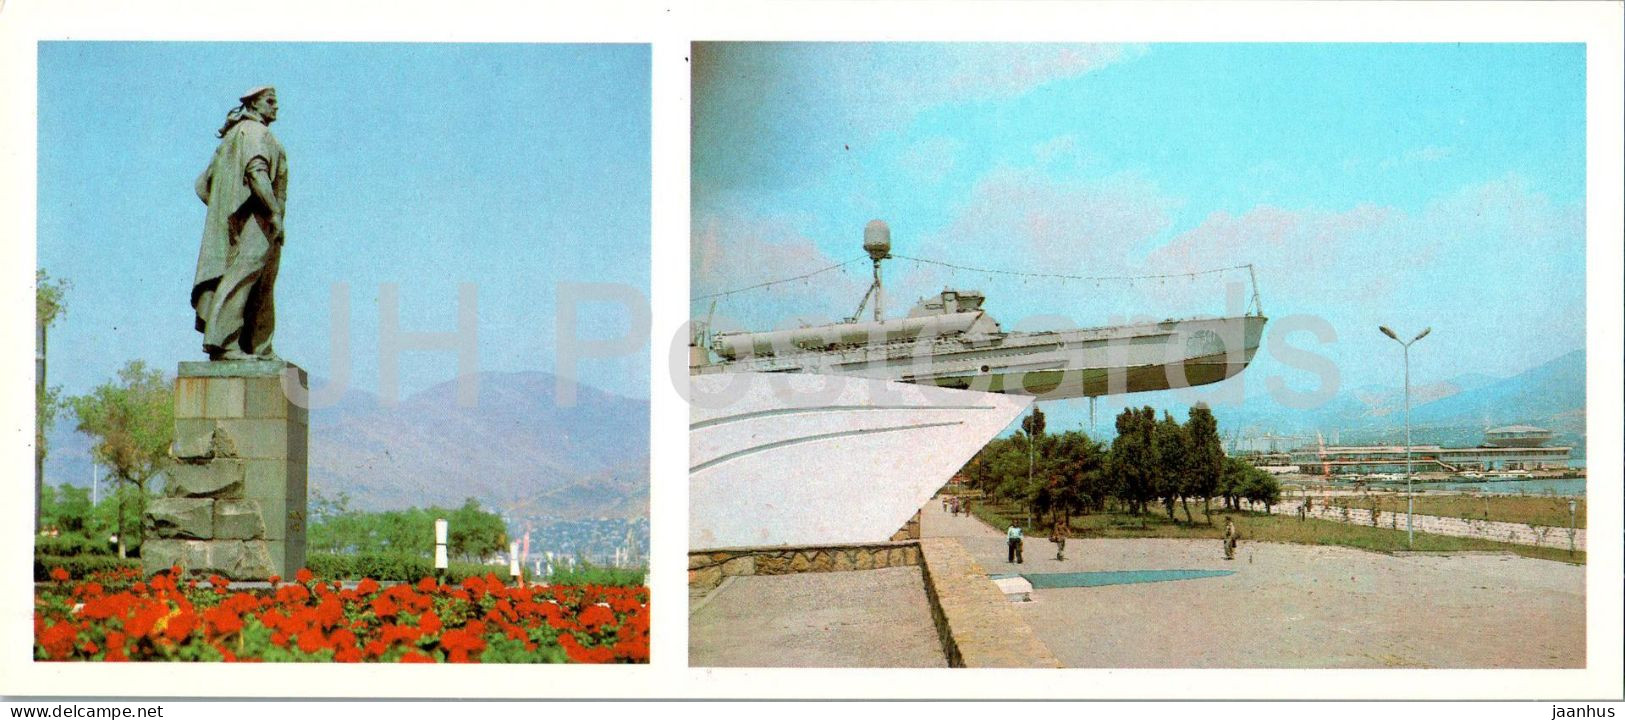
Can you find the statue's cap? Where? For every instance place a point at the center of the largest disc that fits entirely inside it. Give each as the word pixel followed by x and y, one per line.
pixel 253 91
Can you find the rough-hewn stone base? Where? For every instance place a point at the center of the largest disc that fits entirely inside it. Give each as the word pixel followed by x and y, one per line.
pixel 707 568
pixel 234 504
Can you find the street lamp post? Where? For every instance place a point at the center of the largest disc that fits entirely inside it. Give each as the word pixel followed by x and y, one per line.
pixel 1410 497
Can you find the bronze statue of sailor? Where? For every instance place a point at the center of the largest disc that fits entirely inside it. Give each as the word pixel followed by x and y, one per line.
pixel 246 189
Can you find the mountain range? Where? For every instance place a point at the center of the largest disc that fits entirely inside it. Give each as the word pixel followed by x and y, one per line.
pixel 514 449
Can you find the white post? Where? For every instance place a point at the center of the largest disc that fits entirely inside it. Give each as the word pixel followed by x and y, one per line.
pixel 513 560
pixel 1573 505
pixel 441 562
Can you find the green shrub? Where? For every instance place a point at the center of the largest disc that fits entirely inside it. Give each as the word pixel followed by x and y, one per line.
pixel 590 575
pixel 326 565
pixel 79 566
pixel 391 567
pixel 70 545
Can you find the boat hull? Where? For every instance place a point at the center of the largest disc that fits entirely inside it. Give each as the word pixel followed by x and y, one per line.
pixel 1055 365
pixel 782 460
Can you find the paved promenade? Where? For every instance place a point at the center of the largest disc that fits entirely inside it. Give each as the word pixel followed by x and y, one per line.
pixel 1292 606
pixel 863 618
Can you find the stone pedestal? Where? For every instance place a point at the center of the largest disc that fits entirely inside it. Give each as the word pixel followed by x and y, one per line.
pixel 234 504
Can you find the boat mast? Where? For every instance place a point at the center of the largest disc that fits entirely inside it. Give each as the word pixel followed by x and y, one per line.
pixel 1258 307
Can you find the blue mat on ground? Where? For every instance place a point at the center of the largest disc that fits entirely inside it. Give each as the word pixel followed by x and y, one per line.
pixel 1047 581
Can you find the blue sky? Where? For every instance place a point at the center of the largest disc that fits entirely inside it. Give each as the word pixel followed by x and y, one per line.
pixel 1433 185
pixel 512 167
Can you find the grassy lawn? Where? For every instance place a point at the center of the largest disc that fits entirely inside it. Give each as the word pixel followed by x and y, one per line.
pixel 1522 509
pixel 1258 527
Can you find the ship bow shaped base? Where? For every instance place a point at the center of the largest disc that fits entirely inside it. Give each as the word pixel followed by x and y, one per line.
pixel 804 459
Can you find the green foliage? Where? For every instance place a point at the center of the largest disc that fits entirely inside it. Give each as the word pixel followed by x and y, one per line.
pixel 1134 462
pixel 391 567
pixel 1150 459
pixel 1171 455
pixel 69 545
pixel 1033 424
pixel 1075 475
pixel 1262 487
pixel 67 509
pixel 48 404
pixel 133 422
pixel 503 649
pixel 586 574
pixel 1233 481
pixel 1205 459
pixel 473 533
pixel 48 296
pixel 1000 468
pixel 79 565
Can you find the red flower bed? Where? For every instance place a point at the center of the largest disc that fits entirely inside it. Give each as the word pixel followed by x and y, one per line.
pixel 479 620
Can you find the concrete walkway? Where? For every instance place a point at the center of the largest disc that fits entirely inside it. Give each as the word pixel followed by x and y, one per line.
pixel 861 618
pixel 1292 606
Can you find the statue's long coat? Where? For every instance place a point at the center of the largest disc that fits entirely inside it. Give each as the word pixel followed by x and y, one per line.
pixel 224 186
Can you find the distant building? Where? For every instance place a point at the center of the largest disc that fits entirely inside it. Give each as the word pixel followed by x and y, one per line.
pixel 1517 436
pixel 1518 447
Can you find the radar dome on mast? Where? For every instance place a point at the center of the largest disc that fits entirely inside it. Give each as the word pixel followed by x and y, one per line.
pixel 877 240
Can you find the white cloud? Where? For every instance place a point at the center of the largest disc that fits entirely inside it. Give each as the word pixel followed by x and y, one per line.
pixel 981 72
pixel 1496 268
pixel 1418 156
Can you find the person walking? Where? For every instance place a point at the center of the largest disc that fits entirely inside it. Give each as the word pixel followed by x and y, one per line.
pixel 1058 536
pixel 1229 539
pixel 1013 541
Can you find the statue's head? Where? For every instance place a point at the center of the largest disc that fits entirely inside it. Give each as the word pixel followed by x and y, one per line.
pixel 261 100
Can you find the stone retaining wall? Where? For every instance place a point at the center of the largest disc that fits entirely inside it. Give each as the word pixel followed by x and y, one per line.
pixel 1515 533
pixel 977 625
pixel 707 568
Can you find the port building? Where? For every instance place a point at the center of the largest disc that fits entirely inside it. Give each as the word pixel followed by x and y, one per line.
pixel 1517 447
